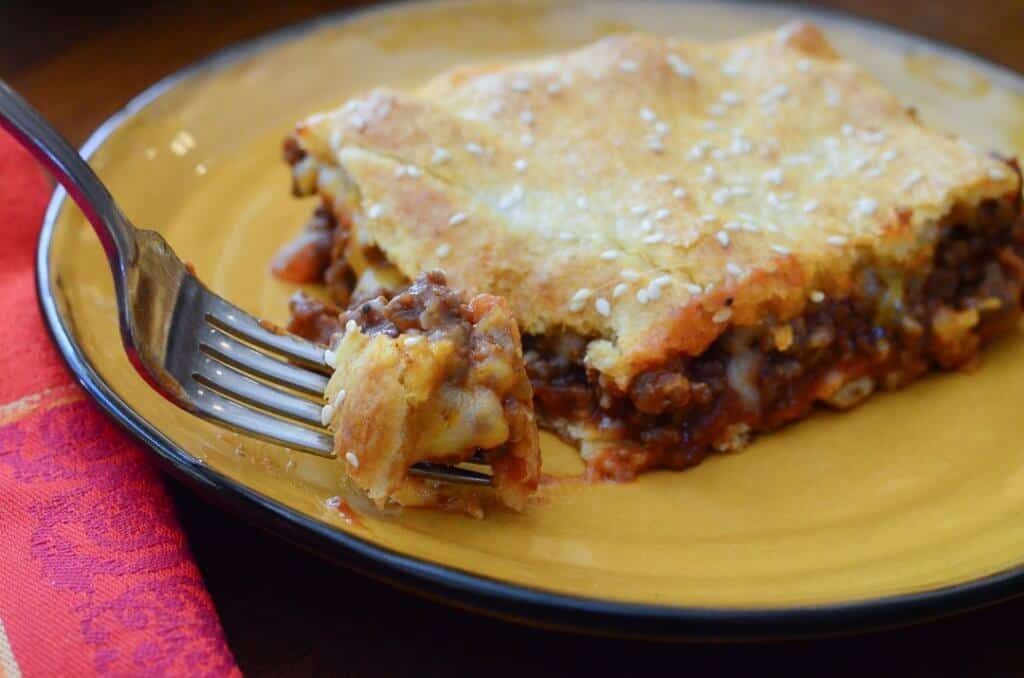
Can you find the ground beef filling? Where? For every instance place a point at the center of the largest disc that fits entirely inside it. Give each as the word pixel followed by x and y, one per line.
pixel 757 379
pixel 750 379
pixel 427 306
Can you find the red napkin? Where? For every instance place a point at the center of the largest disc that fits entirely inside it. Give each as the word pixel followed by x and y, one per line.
pixel 96 577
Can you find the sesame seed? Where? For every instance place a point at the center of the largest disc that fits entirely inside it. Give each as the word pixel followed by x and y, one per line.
pixel 375 211
pixel 836 240
pixel 575 306
pixel 638 209
pixel 867 206
pixel 679 192
pixel 831 96
pixel 581 294
pixel 810 206
pixel 661 128
pixel 661 281
pixel 693 289
pixel 873 172
pixel 711 126
pixel 521 165
pixel 731 69
pixel 682 69
pixel 581 202
pixel 662 214
pixel 780 249
pixel 653 292
pixel 326 414
pixel 443 249
pixel 628 65
pixel 996 174
pixel 351 326
pixel 610 255
pixel 495 108
pixel 719 154
pixel 708 218
pixel 731 98
pixel 723 238
pixel 721 196
pixel 641 296
pixel 526 139
pixel 413 340
pixel 874 137
pixel 800 159
pixel 911 179
pixel 780 91
pixel 734 269
pixel 619 290
pixel 664 179
pixel 741 146
pixel 803 65
pixel 400 171
pixel 630 274
pixel 330 358
pixel 773 176
pixel 733 226
pixel 440 156
pixel 646 225
pixel 526 117
pixel 888 155
pixel 648 115
pixel 554 88
pixel 698 151
pixel 717 110
pixel 710 173
pixel 722 315
pixel 412 171
pixel 739 191
pixel 521 85
pixel 847 129
pixel 339 398
pixel 511 198
pixel 457 219
pixel 333 502
pixel 859 163
pixel 602 306
pixel 654 144
pixel 817 296
pixel 654 239
pixel 474 148
pixel 351 458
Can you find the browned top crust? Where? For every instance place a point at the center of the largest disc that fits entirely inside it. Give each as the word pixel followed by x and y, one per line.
pixel 647 192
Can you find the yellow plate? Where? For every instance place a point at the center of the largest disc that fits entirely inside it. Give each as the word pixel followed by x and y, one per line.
pixel 910 505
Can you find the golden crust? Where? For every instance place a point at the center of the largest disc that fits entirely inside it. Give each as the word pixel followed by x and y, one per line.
pixel 649 192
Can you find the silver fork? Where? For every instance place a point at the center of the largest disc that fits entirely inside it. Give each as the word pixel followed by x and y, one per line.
pixel 202 353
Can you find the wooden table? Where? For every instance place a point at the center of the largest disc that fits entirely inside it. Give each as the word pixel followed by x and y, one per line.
pixel 286 612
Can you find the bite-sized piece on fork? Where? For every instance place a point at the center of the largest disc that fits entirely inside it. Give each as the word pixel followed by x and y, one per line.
pixel 426 377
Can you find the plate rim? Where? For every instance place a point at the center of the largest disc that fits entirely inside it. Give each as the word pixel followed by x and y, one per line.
pixel 455 586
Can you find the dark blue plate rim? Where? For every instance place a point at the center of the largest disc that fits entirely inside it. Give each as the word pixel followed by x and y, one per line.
pixel 465 589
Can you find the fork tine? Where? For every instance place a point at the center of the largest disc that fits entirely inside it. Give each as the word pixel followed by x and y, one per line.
pixel 213 406
pixel 449 474
pixel 235 353
pixel 242 325
pixel 228 381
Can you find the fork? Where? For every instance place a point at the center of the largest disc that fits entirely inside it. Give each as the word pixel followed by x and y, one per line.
pixel 196 349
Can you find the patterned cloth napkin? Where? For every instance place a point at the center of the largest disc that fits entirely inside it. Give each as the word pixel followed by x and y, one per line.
pixel 96 577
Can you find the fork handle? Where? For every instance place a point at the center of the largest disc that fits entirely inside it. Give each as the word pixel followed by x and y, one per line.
pixel 32 131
